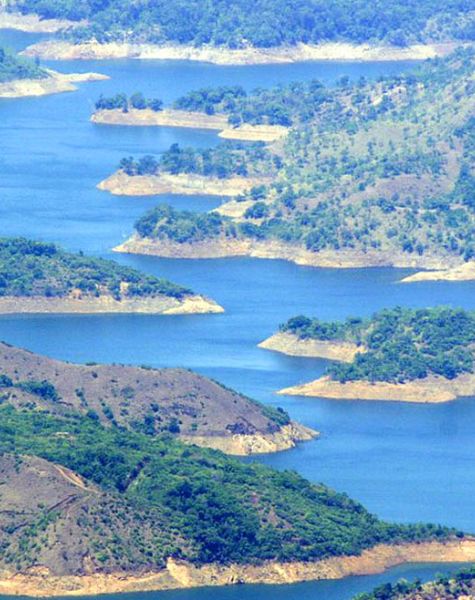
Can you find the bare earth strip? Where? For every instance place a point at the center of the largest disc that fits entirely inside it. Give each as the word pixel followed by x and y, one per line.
pixel 63 50
pixel 121 184
pixel 180 575
pixel 432 390
pixel 272 249
pixel 192 120
pixel 56 83
pixel 288 343
pixel 465 272
pixel 107 304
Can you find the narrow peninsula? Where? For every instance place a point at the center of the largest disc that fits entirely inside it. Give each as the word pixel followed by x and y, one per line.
pixel 407 355
pixel 38 277
pixel 21 77
pixel 260 32
pixel 89 507
pixel 369 174
pixel 208 108
pixel 228 170
pixel 179 402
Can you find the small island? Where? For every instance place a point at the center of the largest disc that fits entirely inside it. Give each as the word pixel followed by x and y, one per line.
pixel 370 174
pixel 401 354
pixel 192 408
pixel 38 277
pixel 458 586
pixel 21 77
pixel 228 170
pixel 213 111
pixel 92 506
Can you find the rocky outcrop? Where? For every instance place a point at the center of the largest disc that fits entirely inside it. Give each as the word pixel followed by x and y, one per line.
pixel 284 438
pixel 33 23
pixel 290 344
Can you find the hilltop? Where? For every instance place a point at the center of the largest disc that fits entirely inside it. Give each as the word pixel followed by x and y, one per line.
pixel 152 401
pixel 21 77
pixel 413 355
pixel 254 32
pixel 38 277
pixel 87 509
pixel 370 174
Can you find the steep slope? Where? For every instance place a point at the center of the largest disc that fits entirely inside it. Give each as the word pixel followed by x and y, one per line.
pixel 192 407
pixel 114 510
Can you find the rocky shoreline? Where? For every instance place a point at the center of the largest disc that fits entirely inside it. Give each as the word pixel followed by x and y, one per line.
pixel 292 345
pixel 273 249
pixel 465 272
pixel 33 23
pixel 121 184
pixel 431 390
pixel 54 83
pixel 40 582
pixel 191 120
pixel 287 437
pixel 165 305
pixel 333 51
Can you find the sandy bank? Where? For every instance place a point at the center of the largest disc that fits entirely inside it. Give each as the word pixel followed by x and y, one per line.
pixel 107 304
pixel 180 575
pixel 33 23
pixel 62 50
pixel 121 184
pixel 465 272
pixel 432 390
pixel 271 249
pixel 260 443
pixel 55 83
pixel 288 343
pixel 192 120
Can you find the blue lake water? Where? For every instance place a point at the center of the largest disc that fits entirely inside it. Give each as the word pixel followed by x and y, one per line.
pixel 404 462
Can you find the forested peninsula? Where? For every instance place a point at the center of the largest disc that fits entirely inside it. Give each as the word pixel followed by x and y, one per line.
pixel 99 494
pixel 459 586
pixel 253 32
pixel 400 354
pixel 38 277
pixel 370 174
pixel 21 77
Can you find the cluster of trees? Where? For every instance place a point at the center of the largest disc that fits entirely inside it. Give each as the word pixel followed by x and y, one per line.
pixel 124 103
pixel 164 222
pixel 217 504
pixel 283 105
pixel 29 268
pixel 44 389
pixel 261 23
pixel 225 160
pixel 458 585
pixel 401 344
pixel 14 67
